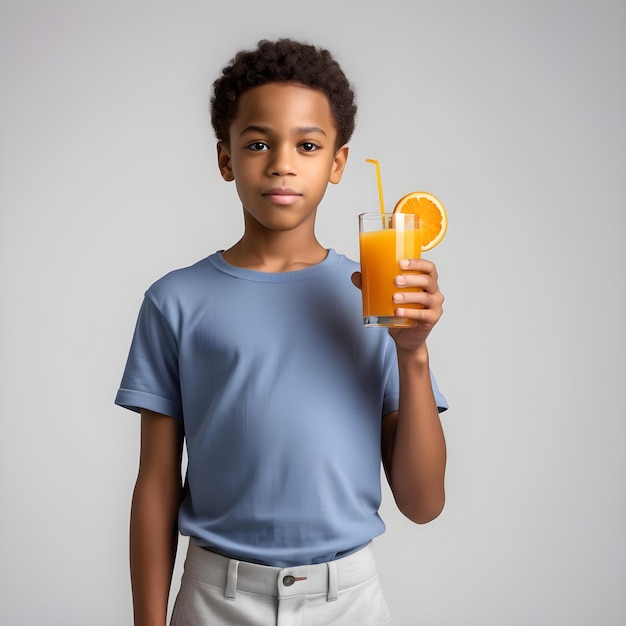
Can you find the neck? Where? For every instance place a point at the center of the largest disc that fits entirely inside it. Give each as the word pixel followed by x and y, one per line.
pixel 280 252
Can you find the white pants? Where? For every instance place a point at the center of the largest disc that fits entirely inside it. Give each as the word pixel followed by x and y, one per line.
pixel 218 591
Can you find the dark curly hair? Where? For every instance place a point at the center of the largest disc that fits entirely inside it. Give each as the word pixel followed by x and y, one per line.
pixel 283 61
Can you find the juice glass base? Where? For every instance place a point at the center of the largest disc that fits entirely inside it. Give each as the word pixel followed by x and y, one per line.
pixel 389 321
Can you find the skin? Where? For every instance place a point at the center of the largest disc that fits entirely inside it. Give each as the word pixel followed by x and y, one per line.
pixel 282 154
pixel 153 528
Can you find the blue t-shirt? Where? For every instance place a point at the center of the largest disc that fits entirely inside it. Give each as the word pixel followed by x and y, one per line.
pixel 281 391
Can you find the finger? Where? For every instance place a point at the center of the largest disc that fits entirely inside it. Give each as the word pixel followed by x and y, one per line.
pixel 426 317
pixel 425 282
pixel 418 265
pixel 423 298
pixel 356 279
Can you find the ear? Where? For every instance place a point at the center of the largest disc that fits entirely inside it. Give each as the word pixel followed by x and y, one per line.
pixel 339 164
pixel 223 162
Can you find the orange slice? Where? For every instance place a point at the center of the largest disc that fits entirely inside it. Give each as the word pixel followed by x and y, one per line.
pixel 432 214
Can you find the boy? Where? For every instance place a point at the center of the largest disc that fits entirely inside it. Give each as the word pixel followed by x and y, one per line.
pixel 256 358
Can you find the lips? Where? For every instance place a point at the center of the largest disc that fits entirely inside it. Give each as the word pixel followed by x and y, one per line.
pixel 282 195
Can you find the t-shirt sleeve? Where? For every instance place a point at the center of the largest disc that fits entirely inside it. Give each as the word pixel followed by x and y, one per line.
pixel 151 380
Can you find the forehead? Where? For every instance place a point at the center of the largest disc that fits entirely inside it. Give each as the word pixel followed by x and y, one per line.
pixel 279 105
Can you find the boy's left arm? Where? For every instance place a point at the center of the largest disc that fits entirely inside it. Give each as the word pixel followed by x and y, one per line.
pixel 413 443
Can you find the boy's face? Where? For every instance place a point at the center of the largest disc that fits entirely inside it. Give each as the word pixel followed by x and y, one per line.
pixel 281 154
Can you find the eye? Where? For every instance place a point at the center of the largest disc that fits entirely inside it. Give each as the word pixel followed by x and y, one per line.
pixel 257 146
pixel 309 146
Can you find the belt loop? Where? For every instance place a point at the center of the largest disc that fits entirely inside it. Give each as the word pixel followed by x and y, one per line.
pixel 230 590
pixel 332 581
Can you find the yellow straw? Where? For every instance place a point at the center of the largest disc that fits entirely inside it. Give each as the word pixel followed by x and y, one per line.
pixel 380 184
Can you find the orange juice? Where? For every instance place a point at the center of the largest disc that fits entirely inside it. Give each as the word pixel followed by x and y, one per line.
pixel 380 251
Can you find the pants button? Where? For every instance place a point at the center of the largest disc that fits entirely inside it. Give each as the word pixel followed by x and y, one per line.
pixel 288 580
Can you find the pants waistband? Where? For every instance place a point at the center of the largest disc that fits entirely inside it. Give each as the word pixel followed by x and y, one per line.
pixel 323 578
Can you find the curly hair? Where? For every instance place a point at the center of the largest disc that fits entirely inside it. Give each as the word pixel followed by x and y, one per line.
pixel 283 61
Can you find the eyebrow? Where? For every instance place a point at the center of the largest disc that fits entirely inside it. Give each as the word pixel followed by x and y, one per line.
pixel 302 130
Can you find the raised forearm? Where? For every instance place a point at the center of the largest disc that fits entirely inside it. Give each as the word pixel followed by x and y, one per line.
pixel 418 461
pixel 153 541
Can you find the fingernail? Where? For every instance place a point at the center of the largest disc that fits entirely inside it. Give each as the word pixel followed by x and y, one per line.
pixel 404 264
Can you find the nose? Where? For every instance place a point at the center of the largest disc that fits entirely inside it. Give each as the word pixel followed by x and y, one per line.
pixel 281 163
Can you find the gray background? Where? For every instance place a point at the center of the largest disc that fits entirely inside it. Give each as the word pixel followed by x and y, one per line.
pixel 512 112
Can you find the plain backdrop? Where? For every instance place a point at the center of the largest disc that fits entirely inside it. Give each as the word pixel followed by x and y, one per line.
pixel 513 113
